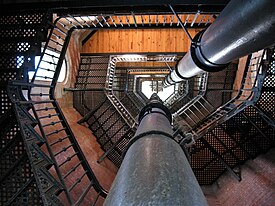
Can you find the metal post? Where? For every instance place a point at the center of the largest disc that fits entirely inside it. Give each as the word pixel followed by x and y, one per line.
pixel 242 28
pixel 155 170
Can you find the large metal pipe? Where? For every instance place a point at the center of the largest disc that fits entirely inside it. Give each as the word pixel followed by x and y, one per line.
pixel 243 27
pixel 155 170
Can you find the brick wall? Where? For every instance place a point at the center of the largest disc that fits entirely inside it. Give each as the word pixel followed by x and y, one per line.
pixel 256 188
pixel 104 172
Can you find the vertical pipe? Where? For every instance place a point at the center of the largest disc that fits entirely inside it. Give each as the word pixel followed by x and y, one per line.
pixel 243 27
pixel 155 170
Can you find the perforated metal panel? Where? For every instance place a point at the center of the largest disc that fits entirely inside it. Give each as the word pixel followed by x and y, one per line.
pixel 29 196
pixel 129 104
pixel 267 99
pixel 242 137
pixel 18 177
pixel 19 44
pixel 22 18
pixel 235 141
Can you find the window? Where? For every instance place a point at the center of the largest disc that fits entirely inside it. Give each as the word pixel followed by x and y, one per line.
pixel 149 87
pixel 51 57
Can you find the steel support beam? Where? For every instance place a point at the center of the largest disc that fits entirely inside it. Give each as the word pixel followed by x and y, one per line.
pixel 155 170
pixel 242 28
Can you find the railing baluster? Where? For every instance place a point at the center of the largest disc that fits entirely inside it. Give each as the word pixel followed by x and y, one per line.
pixel 72 170
pixel 135 21
pixel 120 21
pixel 70 22
pixel 78 180
pixel 142 20
pixel 195 18
pixel 171 20
pixel 92 22
pixel 113 21
pixel 76 21
pixel 127 20
pixel 164 20
pixel 68 159
pixel 78 202
pixel 64 149
pixel 52 123
pixel 104 19
pixel 55 132
pixel 98 21
pixel 59 140
pixel 186 20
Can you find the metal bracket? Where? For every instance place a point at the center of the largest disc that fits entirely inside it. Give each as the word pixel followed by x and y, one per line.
pixel 181 24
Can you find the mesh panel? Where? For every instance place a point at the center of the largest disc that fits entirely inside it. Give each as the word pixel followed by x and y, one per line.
pixel 5 102
pixel 92 72
pixel 267 98
pixel 15 180
pixel 235 141
pixel 18 47
pixel 269 81
pixel 30 196
pixel 23 18
pixel 20 33
pixel 94 60
pixel 11 154
pixel 130 106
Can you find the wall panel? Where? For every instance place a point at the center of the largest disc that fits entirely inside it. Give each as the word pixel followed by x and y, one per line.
pixel 138 41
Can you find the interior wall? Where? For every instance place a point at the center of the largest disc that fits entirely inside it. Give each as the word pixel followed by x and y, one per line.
pixel 65 99
pixel 138 41
pixel 105 171
pixel 256 188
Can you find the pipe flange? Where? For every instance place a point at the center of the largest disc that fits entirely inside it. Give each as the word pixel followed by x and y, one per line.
pixel 148 109
pixel 178 73
pixel 200 60
pixel 144 134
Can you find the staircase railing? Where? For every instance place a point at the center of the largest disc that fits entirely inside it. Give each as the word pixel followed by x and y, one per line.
pixel 180 91
pixel 197 108
pixel 248 94
pixel 142 20
pixel 126 115
pixel 60 167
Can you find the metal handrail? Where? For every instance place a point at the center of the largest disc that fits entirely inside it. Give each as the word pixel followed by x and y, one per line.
pixel 241 100
pixel 125 114
pixel 49 98
pixel 202 80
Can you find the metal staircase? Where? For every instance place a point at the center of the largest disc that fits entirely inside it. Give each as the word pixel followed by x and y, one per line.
pixel 110 130
pixel 227 146
pixel 209 92
pixel 41 160
pixel 207 113
pixel 247 95
pixel 19 45
pixel 60 170
pixel 101 115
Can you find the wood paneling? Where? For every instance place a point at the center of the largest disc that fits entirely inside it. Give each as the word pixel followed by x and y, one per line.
pixel 138 41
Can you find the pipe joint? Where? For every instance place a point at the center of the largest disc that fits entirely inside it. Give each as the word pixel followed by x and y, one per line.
pixel 148 109
pixel 146 134
pixel 200 60
pixel 168 80
pixel 177 73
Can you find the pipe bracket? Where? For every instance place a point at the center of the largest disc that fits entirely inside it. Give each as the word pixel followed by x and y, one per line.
pixel 152 132
pixel 200 60
pixel 148 110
